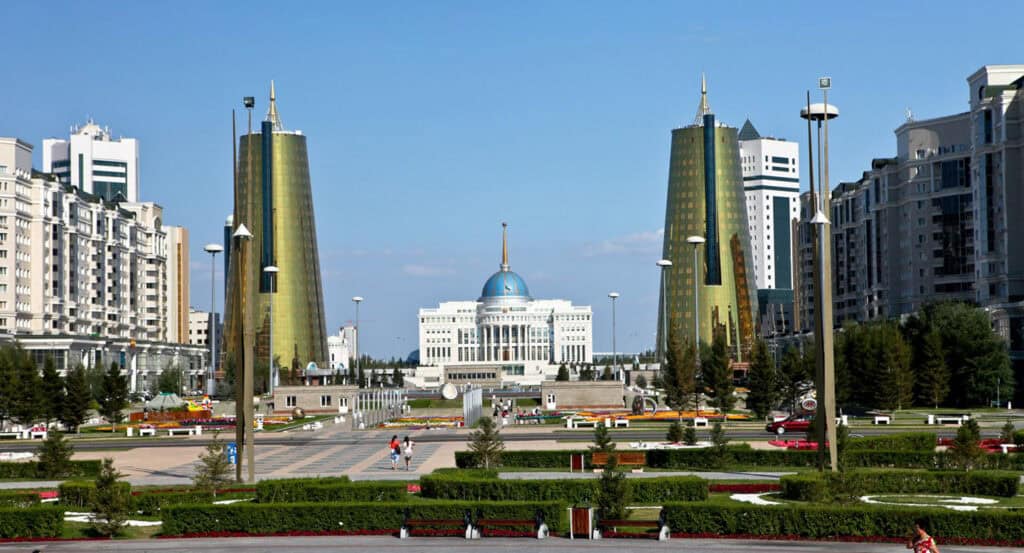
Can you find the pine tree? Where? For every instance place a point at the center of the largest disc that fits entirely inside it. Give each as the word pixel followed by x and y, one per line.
pixel 602 439
pixel 719 443
pixel 679 372
pixel 896 378
pixel 764 381
pixel 28 399
pixel 689 434
pixel 55 456
pixel 718 373
pixel 362 377
pixel 1006 432
pixel 932 372
pixel 966 451
pixel 675 432
pixel 76 399
pixel 111 502
pixel 794 373
pixel 214 470
pixel 397 378
pixel 8 388
pixel 641 382
pixel 606 374
pixel 613 492
pixel 53 391
pixel 563 373
pixel 486 444
pixel 114 397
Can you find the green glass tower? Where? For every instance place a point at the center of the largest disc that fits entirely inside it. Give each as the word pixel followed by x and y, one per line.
pixel 706 199
pixel 273 199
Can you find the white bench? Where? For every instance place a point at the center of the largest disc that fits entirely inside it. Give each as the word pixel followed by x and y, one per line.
pixel 843 420
pixel 1008 448
pixel 948 419
pixel 882 419
pixel 147 431
pixel 15 435
pixel 579 423
pixel 622 422
pixel 173 431
pixel 36 432
pixel 700 421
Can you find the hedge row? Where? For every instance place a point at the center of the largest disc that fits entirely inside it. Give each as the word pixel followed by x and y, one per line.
pixel 339 492
pixel 290 490
pixel 817 487
pixel 527 459
pixel 826 521
pixel 30 470
pixel 37 522
pixel 80 493
pixel 905 441
pixel 18 498
pixel 272 518
pixel 153 503
pixel 645 491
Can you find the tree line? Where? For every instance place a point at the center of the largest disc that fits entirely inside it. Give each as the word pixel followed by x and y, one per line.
pixel 30 393
pixel 947 355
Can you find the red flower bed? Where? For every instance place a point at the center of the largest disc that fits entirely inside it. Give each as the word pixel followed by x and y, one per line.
pixel 413 488
pixel 853 539
pixel 744 488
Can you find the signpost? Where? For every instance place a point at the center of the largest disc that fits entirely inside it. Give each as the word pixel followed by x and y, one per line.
pixel 232 453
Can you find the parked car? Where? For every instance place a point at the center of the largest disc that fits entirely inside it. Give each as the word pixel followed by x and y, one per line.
pixel 793 423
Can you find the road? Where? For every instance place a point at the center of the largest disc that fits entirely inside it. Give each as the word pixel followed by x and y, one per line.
pixel 302 438
pixel 450 545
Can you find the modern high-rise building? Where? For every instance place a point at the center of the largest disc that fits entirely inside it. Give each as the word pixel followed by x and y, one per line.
pixel 83 280
pixel 706 198
pixel 177 285
pixel 274 201
pixel 803 265
pixel 771 182
pixel 93 162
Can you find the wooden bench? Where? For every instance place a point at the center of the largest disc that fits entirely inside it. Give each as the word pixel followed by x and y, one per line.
pixel 625 459
pixel 660 524
pixel 537 524
pixel 466 522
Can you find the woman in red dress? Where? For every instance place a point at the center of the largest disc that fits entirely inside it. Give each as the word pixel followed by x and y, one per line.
pixel 920 541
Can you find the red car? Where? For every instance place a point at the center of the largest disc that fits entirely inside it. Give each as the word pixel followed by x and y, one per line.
pixel 794 423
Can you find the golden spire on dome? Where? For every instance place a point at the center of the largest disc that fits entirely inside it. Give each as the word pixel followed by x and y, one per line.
pixel 272 114
pixel 504 246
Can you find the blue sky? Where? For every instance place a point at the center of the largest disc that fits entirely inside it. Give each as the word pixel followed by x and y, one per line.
pixel 429 123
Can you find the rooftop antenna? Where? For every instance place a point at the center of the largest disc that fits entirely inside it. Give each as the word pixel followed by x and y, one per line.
pixel 703 108
pixel 272 115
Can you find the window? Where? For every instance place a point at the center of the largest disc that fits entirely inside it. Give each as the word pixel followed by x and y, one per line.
pixel 325 401
pixel 289 401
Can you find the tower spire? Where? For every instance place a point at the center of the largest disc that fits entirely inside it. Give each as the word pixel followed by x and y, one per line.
pixel 272 115
pixel 504 246
pixel 703 108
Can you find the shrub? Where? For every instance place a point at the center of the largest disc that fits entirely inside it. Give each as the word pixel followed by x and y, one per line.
pixel 826 521
pixel 904 441
pixel 526 459
pixel 675 432
pixel 153 503
pixel 819 488
pixel 31 471
pixel 17 498
pixel 110 506
pixel 55 456
pixel 274 518
pixel 486 444
pixel 646 491
pixel 37 522
pixel 290 490
pixel 613 491
pixel 965 452
pixel 82 493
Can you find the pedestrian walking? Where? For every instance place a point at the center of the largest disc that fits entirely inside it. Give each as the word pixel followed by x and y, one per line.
pixel 395 450
pixel 407 451
pixel 920 541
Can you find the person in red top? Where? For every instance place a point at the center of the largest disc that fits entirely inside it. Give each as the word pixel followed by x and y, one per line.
pixel 395 451
pixel 920 541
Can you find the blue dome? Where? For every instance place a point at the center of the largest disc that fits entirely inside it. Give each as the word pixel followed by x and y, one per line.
pixel 505 284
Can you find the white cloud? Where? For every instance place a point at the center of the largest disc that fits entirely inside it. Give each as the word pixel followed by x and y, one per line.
pixel 646 242
pixel 427 270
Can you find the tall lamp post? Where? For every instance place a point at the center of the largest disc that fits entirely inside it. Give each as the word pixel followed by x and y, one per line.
pixel 696 241
pixel 664 264
pixel 357 300
pixel 244 388
pixel 825 371
pixel 615 351
pixel 211 332
pixel 271 272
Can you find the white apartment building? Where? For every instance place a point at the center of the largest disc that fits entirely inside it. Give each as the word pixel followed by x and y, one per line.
pixel 503 338
pixel 81 279
pixel 199 327
pixel 771 181
pixel 93 162
pixel 342 347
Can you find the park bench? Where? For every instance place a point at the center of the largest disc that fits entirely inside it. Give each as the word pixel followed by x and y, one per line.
pixel 10 435
pixel 188 431
pixel 660 524
pixel 948 418
pixel 466 522
pixel 579 423
pixel 147 430
pixel 37 432
pixel 537 524
pixel 615 423
pixel 625 459
pixel 883 419
pixel 700 421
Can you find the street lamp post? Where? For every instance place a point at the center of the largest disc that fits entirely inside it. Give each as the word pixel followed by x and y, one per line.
pixel 696 241
pixel 211 332
pixel 615 351
pixel 664 264
pixel 271 272
pixel 357 300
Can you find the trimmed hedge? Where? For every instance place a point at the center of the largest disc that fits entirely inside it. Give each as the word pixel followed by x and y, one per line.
pixel 153 503
pixel 826 521
pixel 82 492
pixel 646 491
pixel 818 488
pixel 342 492
pixel 18 498
pixel 273 518
pixel 30 470
pixel 528 459
pixel 290 490
pixel 38 522
pixel 905 441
